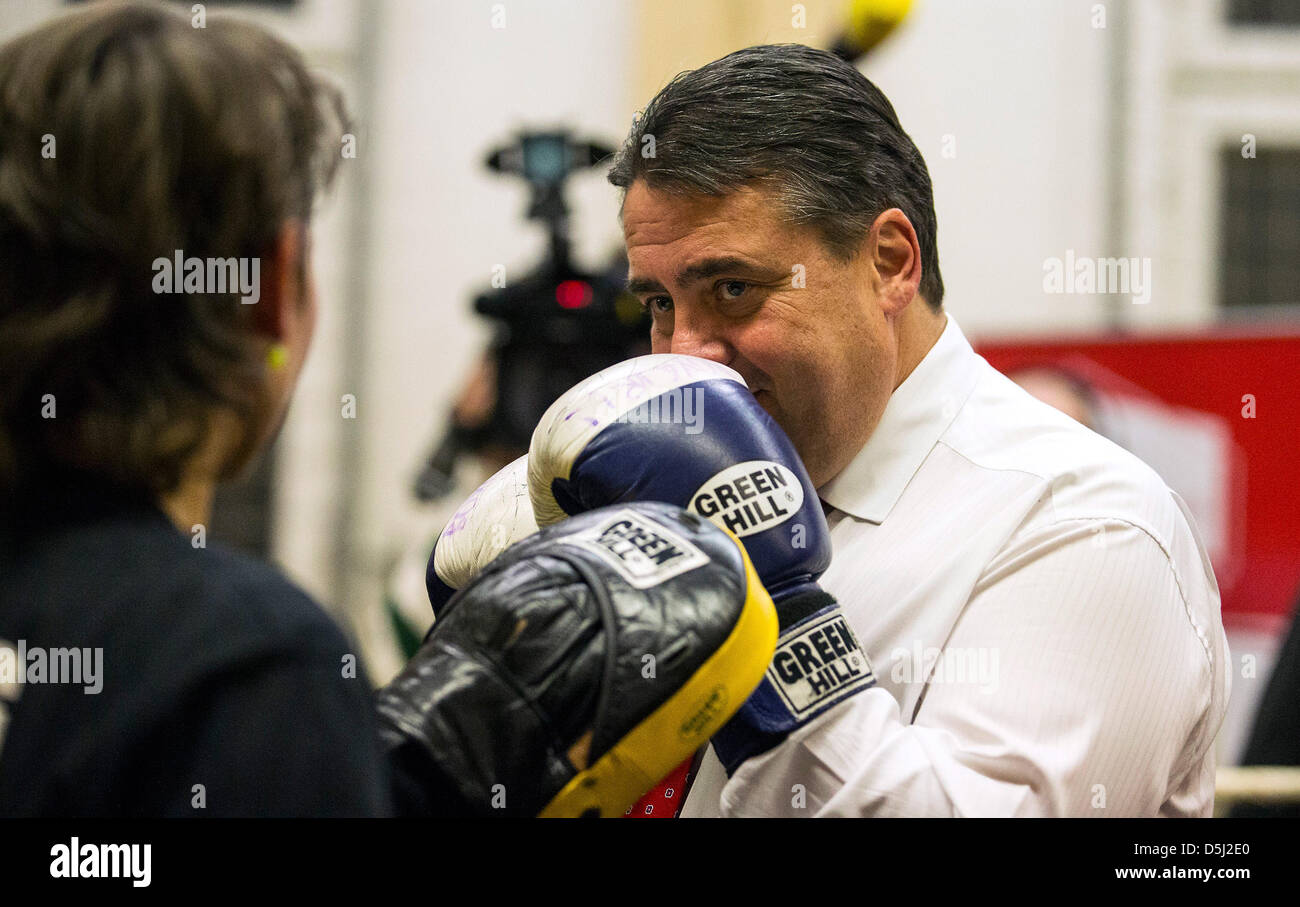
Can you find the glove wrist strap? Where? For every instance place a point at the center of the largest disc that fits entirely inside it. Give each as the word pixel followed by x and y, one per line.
pixel 818 663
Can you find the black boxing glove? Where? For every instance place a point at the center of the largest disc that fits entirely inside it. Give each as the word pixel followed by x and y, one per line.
pixel 579 667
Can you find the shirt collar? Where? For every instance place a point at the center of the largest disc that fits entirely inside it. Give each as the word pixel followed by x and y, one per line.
pixel 918 413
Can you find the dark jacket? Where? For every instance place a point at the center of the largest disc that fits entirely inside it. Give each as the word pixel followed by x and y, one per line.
pixel 224 687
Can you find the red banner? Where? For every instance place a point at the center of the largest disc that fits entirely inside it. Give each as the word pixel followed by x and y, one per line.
pixel 1218 416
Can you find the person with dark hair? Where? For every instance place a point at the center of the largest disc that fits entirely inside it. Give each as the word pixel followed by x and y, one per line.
pixel 1041 615
pixel 128 137
pixel 156 305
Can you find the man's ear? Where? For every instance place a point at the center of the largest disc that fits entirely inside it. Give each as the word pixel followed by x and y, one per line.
pixel 281 270
pixel 895 260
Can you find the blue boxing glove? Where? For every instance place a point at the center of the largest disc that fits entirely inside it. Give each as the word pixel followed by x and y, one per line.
pixel 687 431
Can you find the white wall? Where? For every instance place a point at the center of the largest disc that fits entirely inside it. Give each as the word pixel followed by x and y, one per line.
pixel 1022 89
pixel 449 87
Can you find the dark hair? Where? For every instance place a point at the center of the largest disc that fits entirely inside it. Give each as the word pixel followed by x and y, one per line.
pixel 804 123
pixel 164 137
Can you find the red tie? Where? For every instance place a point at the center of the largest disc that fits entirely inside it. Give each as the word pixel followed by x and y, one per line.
pixel 664 800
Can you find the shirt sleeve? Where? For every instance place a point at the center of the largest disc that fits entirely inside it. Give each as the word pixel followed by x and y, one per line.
pixel 1070 685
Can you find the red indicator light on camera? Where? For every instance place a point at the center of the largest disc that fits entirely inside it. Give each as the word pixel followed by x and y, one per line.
pixel 573 294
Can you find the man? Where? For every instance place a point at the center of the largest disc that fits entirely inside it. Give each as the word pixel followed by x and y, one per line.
pixel 1041 615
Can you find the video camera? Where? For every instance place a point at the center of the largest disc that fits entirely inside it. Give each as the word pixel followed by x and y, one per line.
pixel 553 327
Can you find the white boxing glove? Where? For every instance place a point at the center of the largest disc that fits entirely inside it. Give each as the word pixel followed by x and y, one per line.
pixel 497 514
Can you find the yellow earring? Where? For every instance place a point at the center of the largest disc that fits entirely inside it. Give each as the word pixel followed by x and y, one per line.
pixel 277 356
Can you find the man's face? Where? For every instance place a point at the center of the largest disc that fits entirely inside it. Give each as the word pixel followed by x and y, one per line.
pixel 721 277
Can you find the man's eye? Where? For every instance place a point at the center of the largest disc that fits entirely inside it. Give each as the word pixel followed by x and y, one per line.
pixel 732 289
pixel 659 305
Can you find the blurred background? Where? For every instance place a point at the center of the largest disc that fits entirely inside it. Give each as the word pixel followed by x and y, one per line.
pixel 1063 138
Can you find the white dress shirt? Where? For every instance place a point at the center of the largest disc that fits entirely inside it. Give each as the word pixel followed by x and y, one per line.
pixel 1039 611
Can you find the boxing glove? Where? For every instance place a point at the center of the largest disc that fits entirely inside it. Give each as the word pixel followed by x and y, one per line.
pixel 687 431
pixel 495 516
pixel 578 668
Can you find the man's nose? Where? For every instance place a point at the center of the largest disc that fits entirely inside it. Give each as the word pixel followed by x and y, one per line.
pixel 698 337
